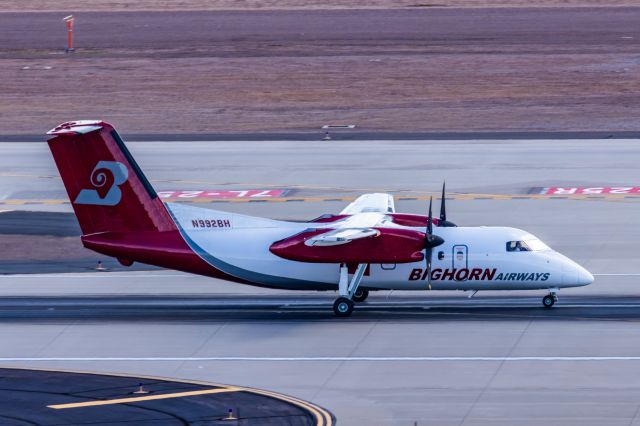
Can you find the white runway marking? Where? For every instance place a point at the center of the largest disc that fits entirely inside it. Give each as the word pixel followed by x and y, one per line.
pixel 98 275
pixel 161 274
pixel 332 359
pixel 616 275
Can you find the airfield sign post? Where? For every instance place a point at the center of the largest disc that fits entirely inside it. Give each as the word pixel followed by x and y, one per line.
pixel 69 20
pixel 327 127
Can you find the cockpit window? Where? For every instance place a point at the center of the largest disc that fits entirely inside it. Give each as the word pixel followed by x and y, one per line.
pixel 533 244
pixel 517 246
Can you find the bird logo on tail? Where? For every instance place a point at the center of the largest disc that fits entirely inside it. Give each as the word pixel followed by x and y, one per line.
pixel 106 178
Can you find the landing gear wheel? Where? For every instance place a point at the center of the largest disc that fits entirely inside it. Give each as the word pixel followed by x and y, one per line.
pixel 360 295
pixel 342 307
pixel 548 300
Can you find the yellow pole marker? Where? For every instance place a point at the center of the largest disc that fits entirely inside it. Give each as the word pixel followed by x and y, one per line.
pixel 142 398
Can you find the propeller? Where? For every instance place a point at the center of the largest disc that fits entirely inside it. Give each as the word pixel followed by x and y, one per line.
pixel 430 241
pixel 443 211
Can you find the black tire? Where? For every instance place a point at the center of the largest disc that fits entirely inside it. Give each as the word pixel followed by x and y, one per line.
pixel 342 307
pixel 548 301
pixel 360 295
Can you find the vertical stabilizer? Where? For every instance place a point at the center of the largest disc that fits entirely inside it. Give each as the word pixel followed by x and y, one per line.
pixel 106 187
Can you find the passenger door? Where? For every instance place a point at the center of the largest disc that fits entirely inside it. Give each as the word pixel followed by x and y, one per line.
pixel 460 257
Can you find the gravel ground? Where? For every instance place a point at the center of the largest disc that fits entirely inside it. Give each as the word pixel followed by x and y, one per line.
pixel 383 70
pixel 155 5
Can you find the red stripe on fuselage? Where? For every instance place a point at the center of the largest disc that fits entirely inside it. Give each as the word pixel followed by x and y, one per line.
pixel 165 249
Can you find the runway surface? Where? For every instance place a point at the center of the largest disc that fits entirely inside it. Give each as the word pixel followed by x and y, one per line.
pixel 287 307
pixel 336 170
pixel 435 358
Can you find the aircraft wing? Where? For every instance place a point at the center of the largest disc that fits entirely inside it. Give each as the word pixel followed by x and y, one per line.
pixel 367 235
pixel 371 203
pixel 341 236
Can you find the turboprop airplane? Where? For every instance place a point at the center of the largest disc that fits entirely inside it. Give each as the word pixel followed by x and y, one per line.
pixel 368 246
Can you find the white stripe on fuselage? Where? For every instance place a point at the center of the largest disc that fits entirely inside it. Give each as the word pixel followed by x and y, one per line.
pixel 243 242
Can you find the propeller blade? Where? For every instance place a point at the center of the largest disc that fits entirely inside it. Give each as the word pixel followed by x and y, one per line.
pixel 427 243
pixel 428 256
pixel 443 209
pixel 443 222
pixel 429 221
pixel 430 241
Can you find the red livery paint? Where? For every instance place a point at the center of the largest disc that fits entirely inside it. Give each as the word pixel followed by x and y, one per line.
pixel 224 194
pixel 391 246
pixel 77 156
pixel 567 190
pixel 166 249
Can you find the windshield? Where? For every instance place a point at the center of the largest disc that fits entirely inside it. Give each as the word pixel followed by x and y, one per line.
pixel 530 244
pixel 536 245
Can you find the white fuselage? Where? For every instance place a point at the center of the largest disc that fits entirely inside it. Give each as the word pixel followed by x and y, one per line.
pixel 471 258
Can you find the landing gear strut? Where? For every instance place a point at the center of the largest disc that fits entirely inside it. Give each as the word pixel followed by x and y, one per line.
pixel 549 300
pixel 343 306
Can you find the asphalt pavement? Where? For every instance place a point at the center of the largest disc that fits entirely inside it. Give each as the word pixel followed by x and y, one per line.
pixel 64 398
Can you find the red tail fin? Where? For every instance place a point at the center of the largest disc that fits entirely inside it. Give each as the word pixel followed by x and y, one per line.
pixel 107 189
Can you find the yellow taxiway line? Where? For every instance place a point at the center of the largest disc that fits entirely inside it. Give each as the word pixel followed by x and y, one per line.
pixel 322 416
pixel 142 398
pixel 203 200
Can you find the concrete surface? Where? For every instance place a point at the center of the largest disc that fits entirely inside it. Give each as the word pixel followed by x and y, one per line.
pixel 438 359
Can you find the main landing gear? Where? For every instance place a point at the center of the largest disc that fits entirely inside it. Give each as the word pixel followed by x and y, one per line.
pixel 343 307
pixel 550 299
pixel 349 292
pixel 360 295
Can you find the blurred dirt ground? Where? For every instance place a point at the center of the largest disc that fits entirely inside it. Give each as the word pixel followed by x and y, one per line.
pixel 115 5
pixel 405 93
pixel 454 70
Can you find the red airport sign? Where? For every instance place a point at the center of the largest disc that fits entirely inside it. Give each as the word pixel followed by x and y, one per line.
pixel 596 190
pixel 225 194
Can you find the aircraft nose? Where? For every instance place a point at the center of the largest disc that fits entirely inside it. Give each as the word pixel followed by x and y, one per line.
pixel 577 275
pixel 585 277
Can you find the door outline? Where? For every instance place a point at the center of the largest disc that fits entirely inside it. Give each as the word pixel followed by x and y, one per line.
pixel 465 252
